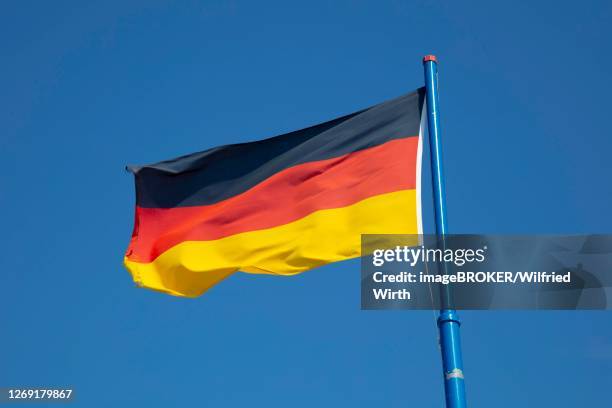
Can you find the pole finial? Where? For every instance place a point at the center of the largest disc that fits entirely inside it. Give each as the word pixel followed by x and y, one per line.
pixel 430 57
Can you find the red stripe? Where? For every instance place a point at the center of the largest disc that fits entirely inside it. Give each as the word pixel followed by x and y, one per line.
pixel 285 197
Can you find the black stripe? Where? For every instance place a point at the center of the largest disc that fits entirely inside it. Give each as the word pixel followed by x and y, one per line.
pixel 217 174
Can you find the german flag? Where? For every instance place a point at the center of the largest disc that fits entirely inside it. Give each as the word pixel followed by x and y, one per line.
pixel 278 206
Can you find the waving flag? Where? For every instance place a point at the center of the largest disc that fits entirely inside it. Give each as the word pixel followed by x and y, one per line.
pixel 279 206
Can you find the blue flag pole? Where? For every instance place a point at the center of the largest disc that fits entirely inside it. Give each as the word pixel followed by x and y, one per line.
pixel 448 321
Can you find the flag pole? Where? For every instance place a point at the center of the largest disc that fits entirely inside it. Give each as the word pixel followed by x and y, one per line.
pixel 448 321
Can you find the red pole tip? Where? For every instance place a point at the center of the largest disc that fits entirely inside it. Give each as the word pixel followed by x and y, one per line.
pixel 430 58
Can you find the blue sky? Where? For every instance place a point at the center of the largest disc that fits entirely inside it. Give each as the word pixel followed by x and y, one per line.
pixel 90 87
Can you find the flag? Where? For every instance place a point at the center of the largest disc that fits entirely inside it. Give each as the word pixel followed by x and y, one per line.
pixel 278 206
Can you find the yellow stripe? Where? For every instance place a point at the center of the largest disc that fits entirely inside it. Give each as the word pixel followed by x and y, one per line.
pixel 192 267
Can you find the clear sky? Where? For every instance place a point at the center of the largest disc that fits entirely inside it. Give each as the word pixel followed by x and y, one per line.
pixel 88 87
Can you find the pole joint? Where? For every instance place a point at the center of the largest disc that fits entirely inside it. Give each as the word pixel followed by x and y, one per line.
pixel 448 316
